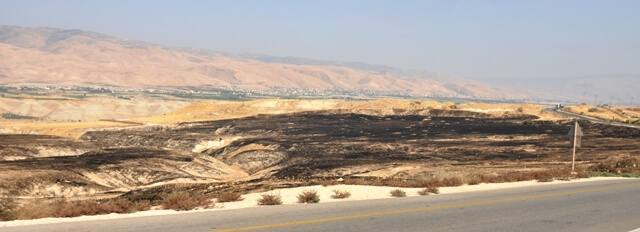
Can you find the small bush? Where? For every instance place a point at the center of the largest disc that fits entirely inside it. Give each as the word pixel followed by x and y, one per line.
pixel 270 199
pixel 308 196
pixel 520 110
pixel 593 109
pixel 230 197
pixel 423 192
pixel 398 193
pixel 340 194
pixel 434 190
pixel 185 201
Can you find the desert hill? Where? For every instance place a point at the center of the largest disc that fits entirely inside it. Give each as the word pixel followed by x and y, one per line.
pixel 74 57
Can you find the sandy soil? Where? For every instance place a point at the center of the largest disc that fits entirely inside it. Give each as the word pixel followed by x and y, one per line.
pixel 289 197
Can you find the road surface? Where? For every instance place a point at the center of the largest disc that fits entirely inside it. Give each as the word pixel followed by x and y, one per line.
pixel 595 120
pixel 610 205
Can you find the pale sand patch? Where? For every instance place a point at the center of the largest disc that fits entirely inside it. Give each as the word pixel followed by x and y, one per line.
pixel 289 197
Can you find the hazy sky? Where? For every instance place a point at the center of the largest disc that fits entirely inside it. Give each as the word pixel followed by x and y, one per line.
pixel 472 39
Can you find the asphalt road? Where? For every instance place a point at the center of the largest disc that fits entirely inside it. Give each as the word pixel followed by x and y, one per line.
pixel 612 205
pixel 595 120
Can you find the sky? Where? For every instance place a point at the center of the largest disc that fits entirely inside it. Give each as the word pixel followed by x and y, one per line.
pixel 475 39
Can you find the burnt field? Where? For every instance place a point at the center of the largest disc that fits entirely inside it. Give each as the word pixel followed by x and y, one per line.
pixel 308 145
pixel 337 144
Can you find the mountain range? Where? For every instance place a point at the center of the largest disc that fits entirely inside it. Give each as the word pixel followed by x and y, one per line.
pixel 37 55
pixel 75 57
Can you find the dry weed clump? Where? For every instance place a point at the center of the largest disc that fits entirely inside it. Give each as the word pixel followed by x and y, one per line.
pixel 308 196
pixel 185 201
pixel 270 199
pixel 63 208
pixel 230 197
pixel 474 181
pixel 398 193
pixel 8 207
pixel 423 192
pixel 619 164
pixel 429 190
pixel 452 182
pixel 340 194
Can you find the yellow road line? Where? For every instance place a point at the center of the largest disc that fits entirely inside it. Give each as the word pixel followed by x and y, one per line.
pixel 425 209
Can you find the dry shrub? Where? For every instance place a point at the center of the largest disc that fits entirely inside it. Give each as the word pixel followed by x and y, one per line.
pixel 423 192
pixel 434 190
pixel 340 194
pixel 34 210
pixel 619 164
pixel 431 182
pixel 230 197
pixel 308 196
pixel 452 181
pixel 583 174
pixel 8 207
pixel 185 201
pixel 429 190
pixel 326 183
pixel 141 205
pixel 354 181
pixel 491 179
pixel 398 193
pixel 270 199
pixel 63 208
pixel 474 181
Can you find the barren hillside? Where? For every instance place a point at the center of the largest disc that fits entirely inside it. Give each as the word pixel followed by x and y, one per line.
pixel 74 57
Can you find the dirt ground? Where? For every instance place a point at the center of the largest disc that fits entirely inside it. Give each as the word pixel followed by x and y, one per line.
pixel 404 140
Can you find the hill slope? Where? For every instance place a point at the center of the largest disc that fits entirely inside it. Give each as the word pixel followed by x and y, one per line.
pixel 74 57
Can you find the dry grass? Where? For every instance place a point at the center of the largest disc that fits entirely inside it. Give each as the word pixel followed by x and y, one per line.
pixel 8 207
pixel 452 182
pixel 308 196
pixel 430 190
pixel 64 129
pixel 398 193
pixel 340 194
pixel 606 113
pixel 270 199
pixel 63 208
pixel 230 197
pixel 185 201
pixel 619 164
